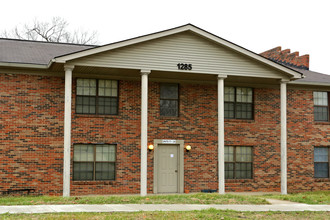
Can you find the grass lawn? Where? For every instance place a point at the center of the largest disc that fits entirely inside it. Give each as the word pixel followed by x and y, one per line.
pixel 320 197
pixel 316 197
pixel 198 198
pixel 204 214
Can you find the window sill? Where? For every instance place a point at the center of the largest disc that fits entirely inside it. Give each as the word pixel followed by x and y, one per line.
pixel 322 122
pixel 239 180
pixel 322 179
pixel 94 182
pixel 169 117
pixel 249 121
pixel 94 116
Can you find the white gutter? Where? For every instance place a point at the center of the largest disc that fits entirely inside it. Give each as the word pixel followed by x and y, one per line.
pixel 25 65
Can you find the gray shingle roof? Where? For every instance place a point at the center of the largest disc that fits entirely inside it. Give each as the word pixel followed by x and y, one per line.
pixel 312 77
pixel 35 52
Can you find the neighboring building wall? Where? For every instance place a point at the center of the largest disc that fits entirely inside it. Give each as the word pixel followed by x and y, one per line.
pixel 287 58
pixel 31 137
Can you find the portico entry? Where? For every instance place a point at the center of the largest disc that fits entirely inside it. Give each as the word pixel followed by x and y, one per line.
pixel 168 166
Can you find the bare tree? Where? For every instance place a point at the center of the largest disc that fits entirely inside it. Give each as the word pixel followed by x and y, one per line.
pixel 54 31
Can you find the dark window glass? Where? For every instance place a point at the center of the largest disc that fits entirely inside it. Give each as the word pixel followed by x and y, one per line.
pixel 94 162
pixel 169 99
pixel 238 162
pixel 321 162
pixel 97 97
pixel 321 112
pixel 238 103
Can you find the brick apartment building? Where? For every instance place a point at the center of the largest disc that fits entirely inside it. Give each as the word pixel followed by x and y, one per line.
pixel 209 115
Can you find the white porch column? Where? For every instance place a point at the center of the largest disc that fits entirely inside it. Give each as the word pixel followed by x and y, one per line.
pixel 221 134
pixel 283 139
pixel 67 130
pixel 144 130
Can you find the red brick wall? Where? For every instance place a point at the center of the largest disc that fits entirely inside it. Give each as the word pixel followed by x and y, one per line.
pixel 31 138
pixel 303 135
pixel 31 133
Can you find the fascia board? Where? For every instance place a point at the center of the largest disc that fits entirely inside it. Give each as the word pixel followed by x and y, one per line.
pixel 24 65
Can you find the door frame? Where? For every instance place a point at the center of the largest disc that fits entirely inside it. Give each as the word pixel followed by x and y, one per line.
pixel 180 144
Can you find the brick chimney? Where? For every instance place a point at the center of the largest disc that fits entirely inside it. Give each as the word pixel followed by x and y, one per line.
pixel 287 58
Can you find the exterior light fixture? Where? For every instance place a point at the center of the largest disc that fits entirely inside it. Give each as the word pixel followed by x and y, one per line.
pixel 151 147
pixel 188 148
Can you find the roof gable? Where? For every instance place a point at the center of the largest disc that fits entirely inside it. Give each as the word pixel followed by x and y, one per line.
pixel 175 31
pixel 163 54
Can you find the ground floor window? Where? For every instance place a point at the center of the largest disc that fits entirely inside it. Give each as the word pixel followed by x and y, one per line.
pixel 238 162
pixel 94 162
pixel 321 162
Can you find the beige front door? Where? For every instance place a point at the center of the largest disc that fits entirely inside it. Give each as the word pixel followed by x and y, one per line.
pixel 167 168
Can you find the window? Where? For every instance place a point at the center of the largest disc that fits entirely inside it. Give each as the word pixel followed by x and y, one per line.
pixel 94 162
pixel 97 96
pixel 238 162
pixel 238 103
pixel 169 99
pixel 321 111
pixel 321 162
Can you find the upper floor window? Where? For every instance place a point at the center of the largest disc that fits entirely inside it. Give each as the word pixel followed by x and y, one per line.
pixel 94 162
pixel 169 99
pixel 321 162
pixel 97 96
pixel 238 103
pixel 321 110
pixel 238 162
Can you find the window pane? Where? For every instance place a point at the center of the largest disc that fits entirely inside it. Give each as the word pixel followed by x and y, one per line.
pixel 229 94
pixel 82 171
pixel 243 170
pixel 83 153
pixel 321 154
pixel 85 105
pixel 106 153
pixel 229 154
pixel 108 105
pixel 86 87
pixel 320 98
pixel 244 110
pixel 168 107
pixel 169 91
pixel 229 110
pixel 320 113
pixel 244 154
pixel 321 170
pixel 244 95
pixel 104 171
pixel 108 88
pixel 229 170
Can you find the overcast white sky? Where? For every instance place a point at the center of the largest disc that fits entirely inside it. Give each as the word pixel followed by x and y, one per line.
pixel 258 25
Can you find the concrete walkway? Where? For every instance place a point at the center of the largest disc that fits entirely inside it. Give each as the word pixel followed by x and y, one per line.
pixel 277 205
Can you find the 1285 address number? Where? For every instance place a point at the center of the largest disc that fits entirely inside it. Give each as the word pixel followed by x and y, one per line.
pixel 184 66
